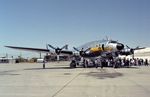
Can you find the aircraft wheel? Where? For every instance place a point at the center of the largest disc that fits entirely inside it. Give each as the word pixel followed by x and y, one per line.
pixel 73 64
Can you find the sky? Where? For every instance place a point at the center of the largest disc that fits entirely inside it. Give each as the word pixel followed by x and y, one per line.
pixel 35 23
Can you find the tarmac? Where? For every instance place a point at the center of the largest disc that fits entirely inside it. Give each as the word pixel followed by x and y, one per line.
pixel 58 80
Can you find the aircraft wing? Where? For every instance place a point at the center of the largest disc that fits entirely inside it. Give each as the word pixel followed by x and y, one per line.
pixel 38 50
pixel 139 48
pixel 30 49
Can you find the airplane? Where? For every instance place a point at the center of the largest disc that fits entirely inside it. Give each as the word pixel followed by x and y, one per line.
pixel 106 48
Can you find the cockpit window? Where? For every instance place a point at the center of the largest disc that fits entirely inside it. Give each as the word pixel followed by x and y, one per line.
pixel 113 41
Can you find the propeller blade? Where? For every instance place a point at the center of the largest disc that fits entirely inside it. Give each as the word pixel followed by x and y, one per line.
pixel 76 49
pixel 65 47
pixel 87 49
pixel 46 46
pixel 51 46
pixel 128 47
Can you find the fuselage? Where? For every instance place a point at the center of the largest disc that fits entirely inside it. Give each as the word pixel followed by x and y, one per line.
pixel 99 49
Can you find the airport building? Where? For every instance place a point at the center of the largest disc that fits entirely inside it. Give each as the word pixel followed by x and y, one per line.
pixel 53 57
pixel 143 53
pixel 7 60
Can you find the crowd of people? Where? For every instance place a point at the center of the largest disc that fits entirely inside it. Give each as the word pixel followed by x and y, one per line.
pixel 118 62
pixel 113 62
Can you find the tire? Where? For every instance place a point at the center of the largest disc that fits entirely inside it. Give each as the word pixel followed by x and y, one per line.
pixel 72 64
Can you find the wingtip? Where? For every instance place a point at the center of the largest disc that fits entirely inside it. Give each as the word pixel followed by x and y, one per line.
pixel 6 46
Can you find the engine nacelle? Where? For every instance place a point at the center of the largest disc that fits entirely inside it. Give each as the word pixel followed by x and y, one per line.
pixel 127 52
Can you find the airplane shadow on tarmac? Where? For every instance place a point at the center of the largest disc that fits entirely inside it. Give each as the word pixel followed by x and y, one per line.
pixel 103 74
pixel 132 67
pixel 9 72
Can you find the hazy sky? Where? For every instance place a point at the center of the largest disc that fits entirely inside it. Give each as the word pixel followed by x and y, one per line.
pixel 34 23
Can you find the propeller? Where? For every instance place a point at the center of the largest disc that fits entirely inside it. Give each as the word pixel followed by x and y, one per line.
pixel 81 51
pixel 47 49
pixel 58 50
pixel 133 49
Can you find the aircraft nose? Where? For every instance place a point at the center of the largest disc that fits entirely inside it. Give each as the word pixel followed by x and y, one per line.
pixel 120 46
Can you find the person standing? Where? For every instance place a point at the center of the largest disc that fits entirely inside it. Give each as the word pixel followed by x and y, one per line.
pixel 43 64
